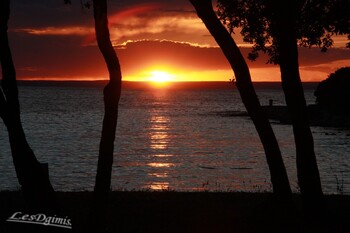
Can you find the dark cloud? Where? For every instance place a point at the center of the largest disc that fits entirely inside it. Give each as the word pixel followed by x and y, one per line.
pixel 168 5
pixel 55 57
pixel 63 56
pixel 142 54
pixel 45 13
pixel 190 56
pixel 314 56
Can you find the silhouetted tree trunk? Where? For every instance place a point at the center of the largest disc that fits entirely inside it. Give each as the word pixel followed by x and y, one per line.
pixel 246 89
pixel 308 174
pixel 111 100
pixel 35 184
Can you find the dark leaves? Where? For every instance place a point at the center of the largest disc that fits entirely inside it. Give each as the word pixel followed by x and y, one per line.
pixel 316 22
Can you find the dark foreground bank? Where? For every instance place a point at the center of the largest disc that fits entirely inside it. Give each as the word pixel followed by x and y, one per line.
pixel 183 212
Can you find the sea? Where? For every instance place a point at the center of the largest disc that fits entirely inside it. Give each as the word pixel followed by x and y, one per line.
pixel 170 138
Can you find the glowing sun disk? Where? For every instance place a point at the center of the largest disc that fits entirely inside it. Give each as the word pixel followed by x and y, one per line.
pixel 160 76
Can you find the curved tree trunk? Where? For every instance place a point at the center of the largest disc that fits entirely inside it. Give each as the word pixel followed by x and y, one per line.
pixel 35 184
pixel 278 172
pixel 111 100
pixel 308 174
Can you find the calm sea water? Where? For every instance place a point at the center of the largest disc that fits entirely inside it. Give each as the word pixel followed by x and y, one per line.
pixel 166 139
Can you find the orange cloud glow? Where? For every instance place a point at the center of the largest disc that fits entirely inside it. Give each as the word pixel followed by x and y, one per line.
pixel 132 11
pixel 125 19
pixel 164 41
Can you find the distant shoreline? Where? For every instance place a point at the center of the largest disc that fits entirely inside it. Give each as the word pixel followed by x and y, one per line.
pixel 171 85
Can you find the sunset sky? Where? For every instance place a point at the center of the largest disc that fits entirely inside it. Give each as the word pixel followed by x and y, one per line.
pixel 154 40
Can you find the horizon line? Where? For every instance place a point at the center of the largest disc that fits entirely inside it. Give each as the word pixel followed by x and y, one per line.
pixel 132 81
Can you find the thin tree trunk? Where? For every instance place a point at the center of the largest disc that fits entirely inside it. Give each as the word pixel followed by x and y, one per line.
pixel 246 89
pixel 111 100
pixel 308 174
pixel 37 189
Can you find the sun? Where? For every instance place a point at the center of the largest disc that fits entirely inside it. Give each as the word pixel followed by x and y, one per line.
pixel 160 76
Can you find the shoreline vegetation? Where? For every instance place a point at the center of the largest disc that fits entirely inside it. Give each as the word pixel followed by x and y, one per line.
pixel 170 211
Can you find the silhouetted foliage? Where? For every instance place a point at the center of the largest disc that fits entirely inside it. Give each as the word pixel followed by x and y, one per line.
pixel 316 23
pixel 333 93
pixel 232 81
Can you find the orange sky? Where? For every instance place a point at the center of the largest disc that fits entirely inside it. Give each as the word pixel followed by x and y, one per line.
pixel 162 41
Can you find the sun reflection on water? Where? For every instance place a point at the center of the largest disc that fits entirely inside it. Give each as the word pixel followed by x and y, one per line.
pixel 159 186
pixel 159 164
pixel 159 174
pixel 159 140
pixel 162 155
pixel 159 136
